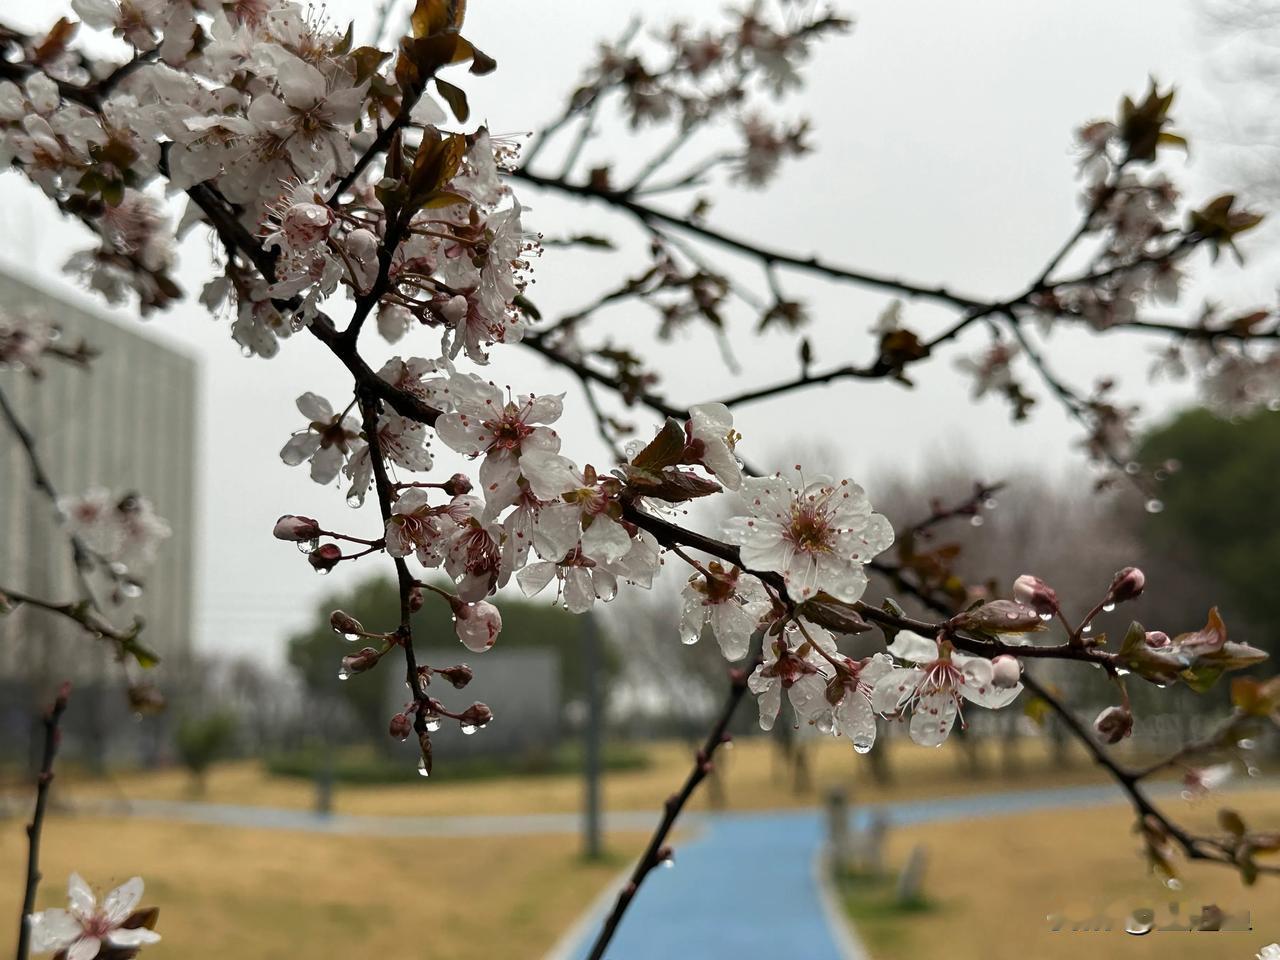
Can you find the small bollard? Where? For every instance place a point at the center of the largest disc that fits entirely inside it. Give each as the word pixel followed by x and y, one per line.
pixel 911 881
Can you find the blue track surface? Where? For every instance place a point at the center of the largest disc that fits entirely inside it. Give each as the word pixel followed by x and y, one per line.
pixel 744 866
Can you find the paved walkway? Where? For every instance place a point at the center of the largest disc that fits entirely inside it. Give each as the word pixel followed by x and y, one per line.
pixel 767 866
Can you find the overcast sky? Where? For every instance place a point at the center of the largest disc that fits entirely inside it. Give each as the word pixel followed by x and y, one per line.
pixel 944 136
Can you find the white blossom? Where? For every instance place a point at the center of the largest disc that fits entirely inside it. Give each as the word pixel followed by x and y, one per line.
pixel 87 926
pixel 935 688
pixel 819 535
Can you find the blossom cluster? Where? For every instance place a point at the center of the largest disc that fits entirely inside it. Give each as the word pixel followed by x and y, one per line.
pixel 121 530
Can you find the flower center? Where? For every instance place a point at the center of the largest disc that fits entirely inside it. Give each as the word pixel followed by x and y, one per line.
pixel 810 529
pixel 508 432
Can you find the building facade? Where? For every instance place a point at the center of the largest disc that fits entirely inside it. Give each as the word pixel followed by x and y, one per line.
pixel 126 422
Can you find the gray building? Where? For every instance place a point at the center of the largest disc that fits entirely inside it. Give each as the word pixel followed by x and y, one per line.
pixel 126 422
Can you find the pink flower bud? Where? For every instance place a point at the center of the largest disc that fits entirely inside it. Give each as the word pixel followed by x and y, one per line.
pixel 1127 585
pixel 345 624
pixel 1006 672
pixel 325 558
pixel 1033 592
pixel 305 224
pixel 290 527
pixel 457 485
pixel 477 624
pixel 474 717
pixel 359 662
pixel 1114 724
pixel 416 598
pixel 401 726
pixel 1157 639
pixel 459 676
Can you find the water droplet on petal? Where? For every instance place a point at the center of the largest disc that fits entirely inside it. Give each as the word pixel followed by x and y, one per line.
pixel 1154 505
pixel 354 500
pixel 1108 607
pixel 863 744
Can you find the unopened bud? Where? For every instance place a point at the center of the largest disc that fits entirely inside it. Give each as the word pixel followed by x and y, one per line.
pixel 359 662
pixel 416 598
pixel 477 624
pixel 459 676
pixel 401 726
pixel 457 485
pixel 1006 672
pixel 1127 585
pixel 475 716
pixel 145 698
pixel 1157 638
pixel 1114 724
pixel 325 558
pixel 1033 592
pixel 290 527
pixel 345 624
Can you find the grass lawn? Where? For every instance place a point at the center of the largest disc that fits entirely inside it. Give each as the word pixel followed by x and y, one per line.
pixel 991 884
pixel 751 777
pixel 254 895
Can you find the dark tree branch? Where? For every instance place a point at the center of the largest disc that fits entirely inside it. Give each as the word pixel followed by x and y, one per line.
pixel 52 736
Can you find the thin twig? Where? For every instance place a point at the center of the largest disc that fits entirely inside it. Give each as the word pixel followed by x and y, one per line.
pixel 52 736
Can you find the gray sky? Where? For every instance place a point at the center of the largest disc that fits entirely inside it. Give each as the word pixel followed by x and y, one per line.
pixel 944 136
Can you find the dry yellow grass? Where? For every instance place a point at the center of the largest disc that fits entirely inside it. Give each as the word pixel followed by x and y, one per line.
pixel 254 895
pixel 751 776
pixel 994 882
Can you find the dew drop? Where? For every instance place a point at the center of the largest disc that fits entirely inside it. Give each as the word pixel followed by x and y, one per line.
pixel 433 724
pixel 354 500
pixel 1188 796
pixel 1108 607
pixel 1173 883
pixel 1121 672
pixel 131 589
pixel 976 520
pixel 1087 628
pixel 863 744
pixel 1273 405
pixel 1132 467
pixel 668 863
pixel 1046 616
pixel 688 638
pixel 1246 744
pixel 1137 927
pixel 1154 505
pixel 468 729
pixel 1251 771
pixel 344 674
pixel 989 504
pixel 422 769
